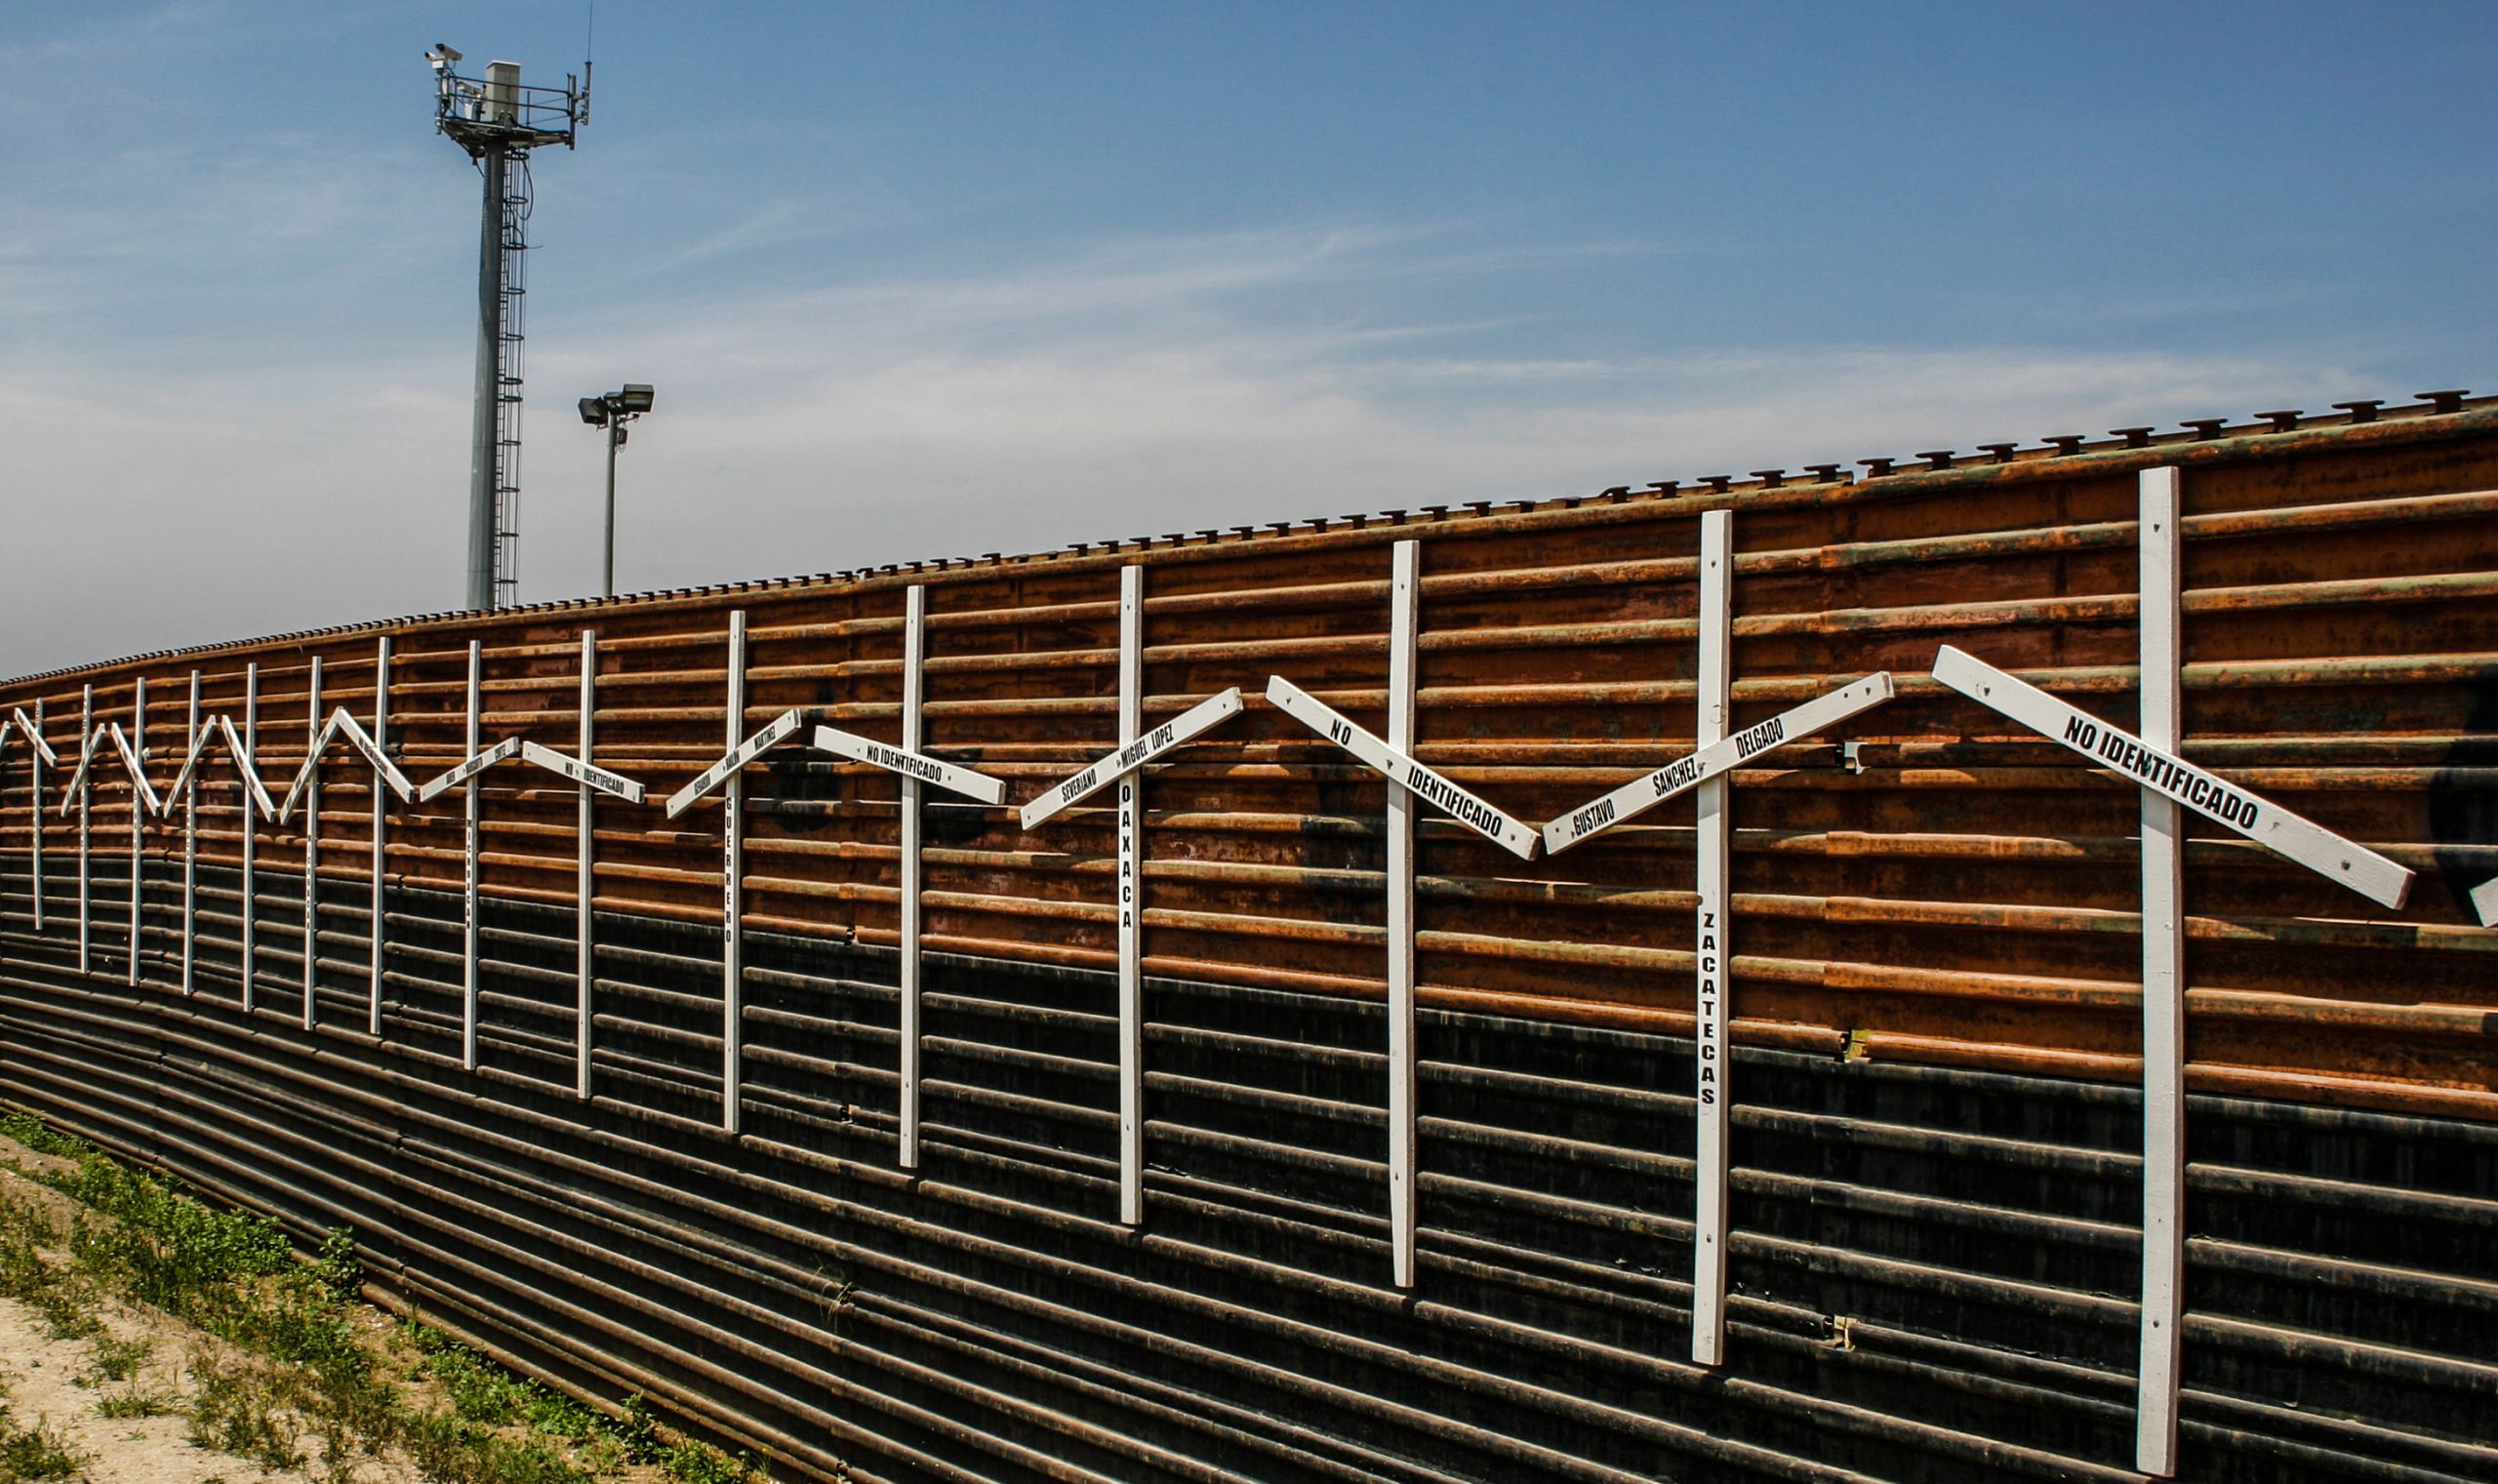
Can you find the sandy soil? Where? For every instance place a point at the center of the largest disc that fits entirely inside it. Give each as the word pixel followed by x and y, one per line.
pixel 46 1380
pixel 56 1381
pixel 51 1380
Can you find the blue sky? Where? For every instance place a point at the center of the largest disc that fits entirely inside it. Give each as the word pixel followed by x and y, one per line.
pixel 936 279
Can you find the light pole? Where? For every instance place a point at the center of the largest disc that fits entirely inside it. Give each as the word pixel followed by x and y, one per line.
pixel 612 412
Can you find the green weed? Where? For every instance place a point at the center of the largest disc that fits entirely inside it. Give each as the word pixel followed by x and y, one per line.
pixel 137 1403
pixel 167 1249
pixel 338 1270
pixel 68 1305
pixel 236 1410
pixel 37 1453
pixel 688 1460
pixel 117 1359
pixel 450 1451
pixel 480 1390
pixel 307 1376
pixel 28 1130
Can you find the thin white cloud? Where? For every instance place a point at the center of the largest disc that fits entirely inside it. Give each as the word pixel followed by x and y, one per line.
pixel 1140 388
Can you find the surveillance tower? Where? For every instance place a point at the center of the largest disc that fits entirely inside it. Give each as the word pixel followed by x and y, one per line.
pixel 498 122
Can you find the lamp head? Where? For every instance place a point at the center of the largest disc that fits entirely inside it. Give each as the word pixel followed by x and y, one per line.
pixel 594 411
pixel 634 398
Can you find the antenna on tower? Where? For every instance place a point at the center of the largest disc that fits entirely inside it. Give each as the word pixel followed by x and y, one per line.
pixel 590 33
pixel 499 121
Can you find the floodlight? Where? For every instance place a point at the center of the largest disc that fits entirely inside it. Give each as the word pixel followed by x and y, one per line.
pixel 613 411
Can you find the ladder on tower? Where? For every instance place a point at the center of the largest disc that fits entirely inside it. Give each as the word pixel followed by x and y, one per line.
pixel 509 373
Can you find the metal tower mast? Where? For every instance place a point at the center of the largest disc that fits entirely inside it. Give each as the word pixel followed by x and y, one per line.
pixel 498 122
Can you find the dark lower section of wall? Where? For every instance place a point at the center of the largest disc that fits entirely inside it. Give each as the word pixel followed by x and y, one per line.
pixel 1933 1267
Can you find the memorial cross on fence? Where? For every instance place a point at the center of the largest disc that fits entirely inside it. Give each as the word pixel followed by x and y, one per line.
pixel 40 753
pixel 2168 782
pixel 134 755
pixel 342 727
pixel 80 791
pixel 1125 766
pixel 912 766
pixel 467 772
pixel 206 731
pixel 1705 767
pixel 188 788
pixel 728 775
pixel 1408 779
pixel 916 770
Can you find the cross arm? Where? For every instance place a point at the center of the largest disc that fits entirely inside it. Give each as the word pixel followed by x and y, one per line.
pixel 1111 766
pixel 779 730
pixel 1457 802
pixel 948 775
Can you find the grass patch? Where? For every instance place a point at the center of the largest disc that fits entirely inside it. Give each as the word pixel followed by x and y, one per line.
pixel 68 1305
pixel 685 1458
pixel 450 1451
pixel 115 1359
pixel 137 1403
pixel 28 1130
pixel 237 1410
pixel 303 1379
pixel 480 1390
pixel 37 1453
pixel 25 1228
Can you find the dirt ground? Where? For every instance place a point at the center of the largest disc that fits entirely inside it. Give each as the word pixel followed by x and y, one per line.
pixel 162 1365
pixel 45 1380
pixel 52 1382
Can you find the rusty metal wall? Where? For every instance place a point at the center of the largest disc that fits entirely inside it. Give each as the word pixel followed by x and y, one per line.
pixel 1957 893
pixel 1937 1177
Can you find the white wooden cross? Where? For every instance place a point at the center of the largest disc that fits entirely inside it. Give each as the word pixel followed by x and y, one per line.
pixel 1705 768
pixel 915 769
pixel 31 727
pixel 80 791
pixel 1125 766
pixel 729 774
pixel 1408 779
pixel 257 806
pixel 2168 782
pixel 306 789
pixel 466 771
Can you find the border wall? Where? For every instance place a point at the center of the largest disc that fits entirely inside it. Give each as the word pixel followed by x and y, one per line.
pixel 845 1181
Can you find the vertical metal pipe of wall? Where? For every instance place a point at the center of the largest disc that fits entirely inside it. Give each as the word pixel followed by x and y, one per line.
pixel 86 789
pixel 914 620
pixel 381 837
pixel 733 891
pixel 250 763
pixel 1131 902
pixel 190 849
pixel 468 879
pixel 583 965
pixel 1403 612
pixel 1713 978
pixel 2163 989
pixel 311 844
pixel 138 814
